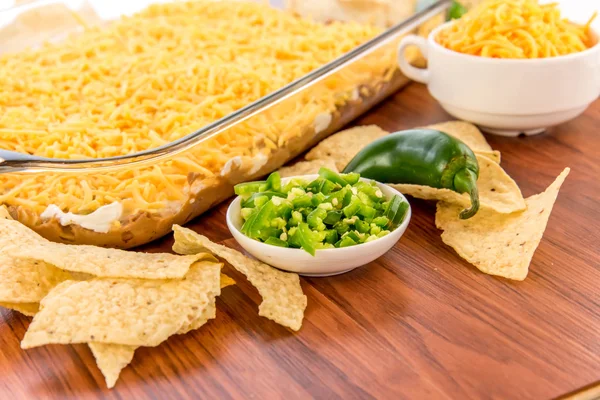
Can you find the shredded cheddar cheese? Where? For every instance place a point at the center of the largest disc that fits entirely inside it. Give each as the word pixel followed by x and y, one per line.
pixel 154 77
pixel 516 29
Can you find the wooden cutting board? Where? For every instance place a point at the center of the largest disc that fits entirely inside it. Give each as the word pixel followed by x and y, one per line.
pixel 417 323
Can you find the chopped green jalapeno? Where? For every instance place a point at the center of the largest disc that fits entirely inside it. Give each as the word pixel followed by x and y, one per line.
pixel 366 211
pixel 381 221
pixel 317 199
pixel 328 187
pixel 249 187
pixel 315 219
pixel 249 221
pixel 341 227
pixel 345 242
pixel 334 177
pixel 306 238
pixel 249 202
pixel 302 201
pixel 331 236
pixel 351 178
pixel 292 183
pixel 399 217
pixel 332 217
pixel 332 211
pixel 277 242
pixel 362 226
pixel 262 220
pixel 246 213
pixel 353 235
pixel 351 209
pixel 274 181
pixel 393 207
pixel 315 186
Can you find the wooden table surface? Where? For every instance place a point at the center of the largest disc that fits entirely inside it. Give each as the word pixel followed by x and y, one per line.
pixel 418 323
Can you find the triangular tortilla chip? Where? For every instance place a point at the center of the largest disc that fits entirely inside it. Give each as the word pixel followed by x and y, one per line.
pixel 26 281
pixel 23 281
pixel 4 214
pixel 111 359
pixel 343 146
pixel 94 260
pixel 226 281
pixel 28 309
pixel 210 312
pixel 148 311
pixel 283 299
pixel 499 244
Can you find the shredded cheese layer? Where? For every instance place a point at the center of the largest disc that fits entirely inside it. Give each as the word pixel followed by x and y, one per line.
pixel 516 29
pixel 154 77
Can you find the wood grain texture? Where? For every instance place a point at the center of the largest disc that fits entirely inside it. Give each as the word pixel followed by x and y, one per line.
pixel 418 323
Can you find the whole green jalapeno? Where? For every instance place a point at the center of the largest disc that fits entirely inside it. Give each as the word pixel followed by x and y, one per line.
pixel 421 157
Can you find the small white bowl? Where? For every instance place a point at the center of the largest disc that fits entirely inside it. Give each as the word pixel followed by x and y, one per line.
pixel 506 96
pixel 326 262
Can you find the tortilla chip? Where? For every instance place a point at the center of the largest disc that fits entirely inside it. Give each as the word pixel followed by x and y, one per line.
pixel 500 244
pixel 123 311
pixel 343 146
pixel 210 312
pixel 28 309
pixel 469 135
pixel 283 299
pixel 26 281
pixel 81 276
pixel 4 214
pixel 111 359
pixel 307 168
pixel 17 235
pixel 493 155
pixel 226 281
pixel 94 260
pixel 497 191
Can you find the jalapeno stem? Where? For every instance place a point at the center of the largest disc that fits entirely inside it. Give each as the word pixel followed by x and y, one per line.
pixel 465 181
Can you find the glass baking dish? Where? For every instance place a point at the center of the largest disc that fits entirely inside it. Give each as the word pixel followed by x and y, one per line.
pixel 282 125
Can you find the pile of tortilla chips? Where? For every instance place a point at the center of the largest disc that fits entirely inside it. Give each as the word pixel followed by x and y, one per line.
pixel 116 301
pixel 501 238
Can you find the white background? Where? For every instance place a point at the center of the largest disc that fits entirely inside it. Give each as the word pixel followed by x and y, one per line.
pixel 580 10
pixel 576 10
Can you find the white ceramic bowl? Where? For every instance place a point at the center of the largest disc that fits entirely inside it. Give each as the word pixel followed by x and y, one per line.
pixel 506 96
pixel 326 262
